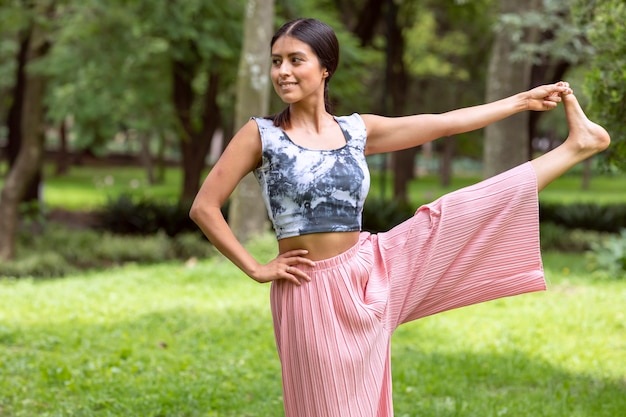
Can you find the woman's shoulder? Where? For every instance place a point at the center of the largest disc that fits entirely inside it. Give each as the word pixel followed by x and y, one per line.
pixel 352 122
pixel 263 122
pixel 354 117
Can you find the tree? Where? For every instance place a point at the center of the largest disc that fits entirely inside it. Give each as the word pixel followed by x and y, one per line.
pixel 156 69
pixel 445 56
pixel 506 141
pixel 29 156
pixel 605 83
pixel 247 215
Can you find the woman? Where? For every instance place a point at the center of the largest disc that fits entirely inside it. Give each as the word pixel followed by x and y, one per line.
pixel 338 293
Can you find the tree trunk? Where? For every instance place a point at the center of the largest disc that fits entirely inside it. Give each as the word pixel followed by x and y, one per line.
pixel 63 158
pixel 146 157
pixel 247 214
pixel 403 162
pixel 368 18
pixel 29 158
pixel 506 141
pixel 15 118
pixel 196 141
pixel 447 158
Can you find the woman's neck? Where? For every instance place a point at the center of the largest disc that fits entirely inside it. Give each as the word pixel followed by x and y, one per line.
pixel 309 118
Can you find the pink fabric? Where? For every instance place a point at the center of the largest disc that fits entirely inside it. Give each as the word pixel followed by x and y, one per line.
pixel 333 334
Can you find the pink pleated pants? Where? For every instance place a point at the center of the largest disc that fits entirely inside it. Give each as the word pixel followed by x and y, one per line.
pixel 333 334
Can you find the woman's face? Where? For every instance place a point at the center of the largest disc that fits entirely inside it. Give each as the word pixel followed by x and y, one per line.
pixel 296 71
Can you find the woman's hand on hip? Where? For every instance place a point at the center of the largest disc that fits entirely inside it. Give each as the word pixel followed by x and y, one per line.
pixel 284 266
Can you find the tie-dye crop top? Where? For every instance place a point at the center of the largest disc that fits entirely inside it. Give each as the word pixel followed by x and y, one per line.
pixel 313 191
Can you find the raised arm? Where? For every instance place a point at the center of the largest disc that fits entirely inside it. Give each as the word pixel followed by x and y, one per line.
pixel 241 156
pixel 387 134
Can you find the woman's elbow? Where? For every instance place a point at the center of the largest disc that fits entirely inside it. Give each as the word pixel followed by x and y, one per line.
pixel 195 212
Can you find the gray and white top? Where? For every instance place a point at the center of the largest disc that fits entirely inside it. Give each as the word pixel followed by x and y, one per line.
pixel 313 191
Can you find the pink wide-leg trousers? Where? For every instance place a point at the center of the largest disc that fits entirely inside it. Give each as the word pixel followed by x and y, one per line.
pixel 333 333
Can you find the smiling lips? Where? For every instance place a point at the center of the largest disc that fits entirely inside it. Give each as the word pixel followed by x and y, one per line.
pixel 286 85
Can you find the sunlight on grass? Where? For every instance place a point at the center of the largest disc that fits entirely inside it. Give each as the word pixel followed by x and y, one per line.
pixel 90 187
pixel 196 340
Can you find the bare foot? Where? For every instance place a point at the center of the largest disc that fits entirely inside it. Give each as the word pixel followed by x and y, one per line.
pixel 585 138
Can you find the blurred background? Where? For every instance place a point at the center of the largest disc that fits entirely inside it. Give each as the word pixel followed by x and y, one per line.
pixel 113 111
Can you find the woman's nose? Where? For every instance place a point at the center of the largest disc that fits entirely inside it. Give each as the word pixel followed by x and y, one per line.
pixel 284 68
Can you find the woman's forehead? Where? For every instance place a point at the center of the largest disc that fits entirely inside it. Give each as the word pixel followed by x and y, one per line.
pixel 288 45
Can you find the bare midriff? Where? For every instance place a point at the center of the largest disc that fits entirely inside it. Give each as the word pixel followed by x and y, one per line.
pixel 320 245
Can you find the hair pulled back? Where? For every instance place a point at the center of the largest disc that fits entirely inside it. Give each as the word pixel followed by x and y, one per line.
pixel 322 40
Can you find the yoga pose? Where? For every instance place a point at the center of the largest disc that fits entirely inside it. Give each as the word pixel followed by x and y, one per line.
pixel 338 293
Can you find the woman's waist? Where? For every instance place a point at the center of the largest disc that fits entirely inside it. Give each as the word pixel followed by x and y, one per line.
pixel 320 245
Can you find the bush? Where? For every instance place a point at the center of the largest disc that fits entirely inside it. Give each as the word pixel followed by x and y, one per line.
pixel 40 265
pixel 132 215
pixel 141 216
pixel 59 251
pixel 590 216
pixel 381 215
pixel 559 238
pixel 191 245
pixel 608 258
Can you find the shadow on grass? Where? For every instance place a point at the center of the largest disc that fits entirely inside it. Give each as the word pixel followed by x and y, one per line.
pixel 182 362
pixel 512 384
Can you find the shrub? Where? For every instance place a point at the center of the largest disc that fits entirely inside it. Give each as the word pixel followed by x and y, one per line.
pixel 608 258
pixel 132 215
pixel 141 249
pixel 191 245
pixel 59 251
pixel 559 238
pixel 380 215
pixel 590 216
pixel 40 265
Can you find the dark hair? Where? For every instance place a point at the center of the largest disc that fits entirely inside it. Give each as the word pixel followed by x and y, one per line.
pixel 323 41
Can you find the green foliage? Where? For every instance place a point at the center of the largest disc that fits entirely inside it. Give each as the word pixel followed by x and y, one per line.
pixel 47 264
pixel 59 251
pixel 133 214
pixel 608 258
pixel 590 216
pixel 559 238
pixel 110 65
pixel 381 214
pixel 606 81
pixel 561 37
pixel 128 214
pixel 359 67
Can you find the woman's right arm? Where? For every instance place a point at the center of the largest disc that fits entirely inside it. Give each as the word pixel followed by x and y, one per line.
pixel 242 155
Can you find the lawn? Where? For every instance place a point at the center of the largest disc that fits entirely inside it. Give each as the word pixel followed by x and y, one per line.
pixel 195 339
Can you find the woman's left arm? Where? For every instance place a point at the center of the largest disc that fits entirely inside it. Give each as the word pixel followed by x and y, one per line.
pixel 388 134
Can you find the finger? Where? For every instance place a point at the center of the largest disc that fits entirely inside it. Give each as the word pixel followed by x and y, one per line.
pixel 299 260
pixel 555 97
pixel 549 105
pixel 295 272
pixel 294 252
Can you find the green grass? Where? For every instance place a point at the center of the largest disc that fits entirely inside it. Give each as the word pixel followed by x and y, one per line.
pixel 196 340
pixel 90 187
